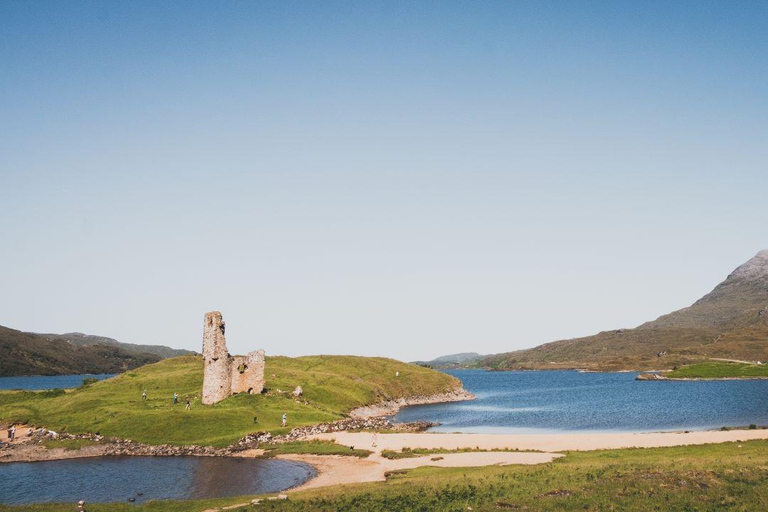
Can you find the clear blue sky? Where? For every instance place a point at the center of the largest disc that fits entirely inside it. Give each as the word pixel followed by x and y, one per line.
pixel 405 179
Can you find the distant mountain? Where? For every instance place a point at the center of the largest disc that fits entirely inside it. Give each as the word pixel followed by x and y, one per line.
pixel 453 360
pixel 730 322
pixel 25 353
pixel 85 340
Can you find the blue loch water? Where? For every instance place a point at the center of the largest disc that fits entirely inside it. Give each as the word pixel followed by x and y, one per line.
pixel 48 381
pixel 557 401
pixel 115 479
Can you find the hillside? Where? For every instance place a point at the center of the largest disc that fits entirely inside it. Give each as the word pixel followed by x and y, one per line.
pixel 31 354
pixel 730 322
pixel 84 340
pixel 333 385
pixel 452 360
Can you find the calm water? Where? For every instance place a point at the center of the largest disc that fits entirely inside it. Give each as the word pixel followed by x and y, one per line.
pixel 48 382
pixel 110 479
pixel 552 401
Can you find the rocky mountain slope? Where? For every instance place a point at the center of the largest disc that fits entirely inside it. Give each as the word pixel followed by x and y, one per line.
pixel 730 322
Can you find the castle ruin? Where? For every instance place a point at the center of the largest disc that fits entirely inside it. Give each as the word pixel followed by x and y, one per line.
pixel 223 374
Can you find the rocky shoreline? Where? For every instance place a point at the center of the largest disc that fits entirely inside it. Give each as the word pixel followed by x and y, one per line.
pixel 32 447
pixel 370 417
pixel 391 407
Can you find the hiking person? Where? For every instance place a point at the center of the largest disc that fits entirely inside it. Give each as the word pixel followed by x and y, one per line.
pixel 144 395
pixel 285 418
pixel 12 432
pixel 175 399
pixel 81 506
pixel 187 407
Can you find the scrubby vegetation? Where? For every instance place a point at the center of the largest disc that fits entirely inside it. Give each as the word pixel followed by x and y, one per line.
pixel 333 385
pixel 314 448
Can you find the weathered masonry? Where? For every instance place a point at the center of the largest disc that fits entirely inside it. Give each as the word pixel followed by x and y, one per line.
pixel 223 374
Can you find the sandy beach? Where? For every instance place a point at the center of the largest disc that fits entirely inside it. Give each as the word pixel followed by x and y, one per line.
pixel 541 442
pixel 335 470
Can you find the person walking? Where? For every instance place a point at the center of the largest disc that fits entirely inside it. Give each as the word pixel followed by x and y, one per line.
pixel 144 395
pixel 285 418
pixel 188 406
pixel 12 433
pixel 175 399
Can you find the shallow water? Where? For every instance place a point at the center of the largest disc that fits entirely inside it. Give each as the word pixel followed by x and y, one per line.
pixel 110 479
pixel 48 381
pixel 557 401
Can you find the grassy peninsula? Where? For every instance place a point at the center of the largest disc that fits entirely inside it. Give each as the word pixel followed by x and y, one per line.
pixel 720 370
pixel 332 385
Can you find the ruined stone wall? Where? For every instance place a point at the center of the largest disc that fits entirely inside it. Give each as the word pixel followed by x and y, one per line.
pixel 248 373
pixel 223 374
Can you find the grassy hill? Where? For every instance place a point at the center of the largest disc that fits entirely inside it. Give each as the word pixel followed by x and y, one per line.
pixel 26 353
pixel 452 360
pixel 729 322
pixel 333 385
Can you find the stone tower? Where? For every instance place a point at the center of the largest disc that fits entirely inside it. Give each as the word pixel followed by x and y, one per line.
pixel 224 375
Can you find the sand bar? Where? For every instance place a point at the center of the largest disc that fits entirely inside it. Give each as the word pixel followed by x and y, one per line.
pixel 541 442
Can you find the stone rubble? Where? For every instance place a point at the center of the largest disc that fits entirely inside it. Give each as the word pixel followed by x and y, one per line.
pixel 348 424
pixel 116 446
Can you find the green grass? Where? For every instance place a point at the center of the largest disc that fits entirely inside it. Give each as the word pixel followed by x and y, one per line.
pixel 332 386
pixel 314 448
pixel 721 477
pixel 719 370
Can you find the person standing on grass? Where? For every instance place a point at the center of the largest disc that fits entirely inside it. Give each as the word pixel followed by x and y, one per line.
pixel 285 418
pixel 187 407
pixel 175 399
pixel 144 395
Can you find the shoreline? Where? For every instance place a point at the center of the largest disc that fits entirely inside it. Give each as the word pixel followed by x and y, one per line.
pixel 454 450
pixel 521 449
pixel 392 407
pixel 655 377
